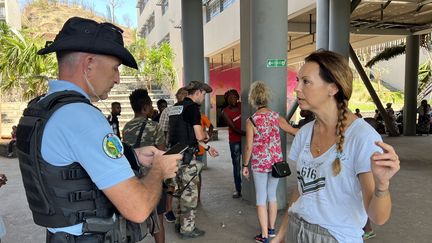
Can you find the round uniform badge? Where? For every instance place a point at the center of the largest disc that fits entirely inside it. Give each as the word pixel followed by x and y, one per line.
pixel 112 146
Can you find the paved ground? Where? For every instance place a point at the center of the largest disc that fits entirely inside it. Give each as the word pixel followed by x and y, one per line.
pixel 233 220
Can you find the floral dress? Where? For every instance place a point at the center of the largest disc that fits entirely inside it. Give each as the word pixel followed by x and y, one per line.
pixel 266 148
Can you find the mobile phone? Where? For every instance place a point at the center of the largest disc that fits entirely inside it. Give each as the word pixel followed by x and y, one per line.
pixel 177 149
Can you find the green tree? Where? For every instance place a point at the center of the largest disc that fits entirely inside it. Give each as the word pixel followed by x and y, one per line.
pixel 156 64
pixel 20 66
pixel 159 66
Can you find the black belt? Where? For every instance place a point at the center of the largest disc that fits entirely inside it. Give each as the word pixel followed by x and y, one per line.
pixel 62 237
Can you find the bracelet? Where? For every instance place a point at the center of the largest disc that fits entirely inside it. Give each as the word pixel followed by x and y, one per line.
pixel 381 193
pixel 208 148
pixel 244 165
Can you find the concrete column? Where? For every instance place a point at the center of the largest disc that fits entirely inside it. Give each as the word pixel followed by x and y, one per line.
pixel 248 190
pixel 193 40
pixel 206 108
pixel 267 25
pixel 411 83
pixel 339 26
pixel 322 24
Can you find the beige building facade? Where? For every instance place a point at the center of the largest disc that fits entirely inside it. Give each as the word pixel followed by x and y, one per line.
pixel 10 13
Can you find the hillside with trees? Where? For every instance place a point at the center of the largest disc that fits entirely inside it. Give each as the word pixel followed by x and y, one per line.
pixel 44 18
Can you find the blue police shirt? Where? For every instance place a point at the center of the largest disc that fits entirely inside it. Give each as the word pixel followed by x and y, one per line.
pixel 78 132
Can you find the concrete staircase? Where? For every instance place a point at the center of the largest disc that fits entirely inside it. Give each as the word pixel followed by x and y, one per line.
pixel 121 92
pixel 11 111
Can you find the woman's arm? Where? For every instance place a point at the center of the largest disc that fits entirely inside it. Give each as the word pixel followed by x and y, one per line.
pixel 287 127
pixel 247 153
pixel 375 184
pixel 280 237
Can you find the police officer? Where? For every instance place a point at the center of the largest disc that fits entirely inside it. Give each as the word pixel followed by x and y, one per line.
pixel 76 177
pixel 185 127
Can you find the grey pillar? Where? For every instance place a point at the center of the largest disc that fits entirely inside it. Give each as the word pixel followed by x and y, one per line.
pixel 192 36
pixel 322 24
pixel 248 191
pixel 339 26
pixel 268 33
pixel 411 82
pixel 206 108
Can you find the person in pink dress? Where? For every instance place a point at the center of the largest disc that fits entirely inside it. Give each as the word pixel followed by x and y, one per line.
pixel 262 150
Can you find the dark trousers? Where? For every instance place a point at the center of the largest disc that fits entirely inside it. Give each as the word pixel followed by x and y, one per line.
pixel 62 237
pixel 10 146
pixel 235 149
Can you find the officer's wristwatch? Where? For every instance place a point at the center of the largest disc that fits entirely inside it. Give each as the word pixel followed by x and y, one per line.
pixel 208 148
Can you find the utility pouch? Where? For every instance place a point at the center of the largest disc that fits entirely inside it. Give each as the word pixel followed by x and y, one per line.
pixel 98 225
pixel 188 155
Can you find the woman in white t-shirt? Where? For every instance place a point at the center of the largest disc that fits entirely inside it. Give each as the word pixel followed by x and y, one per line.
pixel 343 167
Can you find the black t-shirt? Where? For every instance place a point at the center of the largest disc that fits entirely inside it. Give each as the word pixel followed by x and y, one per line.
pixel 192 114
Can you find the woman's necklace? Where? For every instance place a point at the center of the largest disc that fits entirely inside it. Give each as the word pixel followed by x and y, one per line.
pixel 317 142
pixel 264 106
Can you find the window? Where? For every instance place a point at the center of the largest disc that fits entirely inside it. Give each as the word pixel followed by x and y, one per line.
pixel 2 13
pixel 148 26
pixel 164 6
pixel 141 5
pixel 215 7
pixel 226 3
pixel 165 39
pixel 151 22
pixel 212 9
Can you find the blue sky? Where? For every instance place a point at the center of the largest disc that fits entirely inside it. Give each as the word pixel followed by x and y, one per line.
pixel 127 8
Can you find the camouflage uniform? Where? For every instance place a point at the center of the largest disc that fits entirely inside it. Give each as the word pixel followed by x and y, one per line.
pixel 152 134
pixel 189 199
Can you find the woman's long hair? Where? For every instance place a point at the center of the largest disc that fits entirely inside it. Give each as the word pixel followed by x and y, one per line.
pixel 334 68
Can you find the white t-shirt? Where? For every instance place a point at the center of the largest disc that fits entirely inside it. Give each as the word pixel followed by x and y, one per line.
pixel 334 202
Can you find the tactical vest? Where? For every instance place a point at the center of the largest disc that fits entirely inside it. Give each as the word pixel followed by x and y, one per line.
pixel 179 130
pixel 58 196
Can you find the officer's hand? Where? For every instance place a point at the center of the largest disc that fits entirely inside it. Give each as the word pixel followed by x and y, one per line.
pixel 3 179
pixel 213 152
pixel 167 164
pixel 146 155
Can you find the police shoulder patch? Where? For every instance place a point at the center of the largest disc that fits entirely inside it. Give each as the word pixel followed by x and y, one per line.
pixel 112 146
pixel 175 110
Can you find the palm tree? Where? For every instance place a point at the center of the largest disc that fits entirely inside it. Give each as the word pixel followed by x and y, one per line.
pixel 20 66
pixel 425 69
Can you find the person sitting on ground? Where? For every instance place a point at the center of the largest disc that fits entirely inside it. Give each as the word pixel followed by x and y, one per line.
pixel 423 124
pixel 378 116
pixel 357 113
pixel 12 141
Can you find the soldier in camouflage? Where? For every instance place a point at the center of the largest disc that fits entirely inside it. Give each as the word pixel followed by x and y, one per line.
pixel 185 128
pixel 141 131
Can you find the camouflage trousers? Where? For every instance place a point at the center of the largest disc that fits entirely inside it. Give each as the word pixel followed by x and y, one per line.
pixel 188 201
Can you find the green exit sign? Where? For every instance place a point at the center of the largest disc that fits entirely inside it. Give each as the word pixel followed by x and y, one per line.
pixel 276 62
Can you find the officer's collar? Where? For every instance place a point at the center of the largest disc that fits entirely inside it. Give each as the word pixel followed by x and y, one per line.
pixel 61 85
